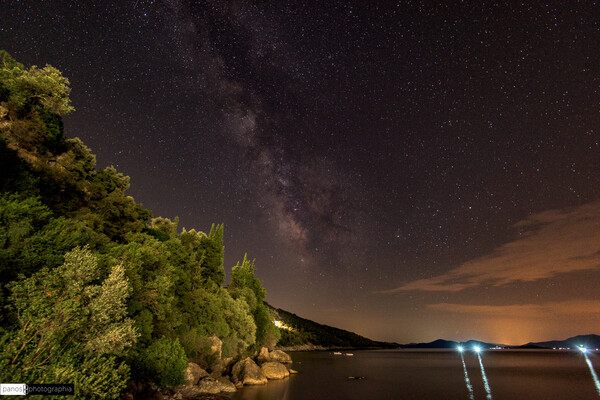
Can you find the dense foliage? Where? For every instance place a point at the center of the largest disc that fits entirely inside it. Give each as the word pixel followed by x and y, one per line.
pixel 95 291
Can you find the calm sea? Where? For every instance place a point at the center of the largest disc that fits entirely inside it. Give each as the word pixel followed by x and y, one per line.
pixel 433 374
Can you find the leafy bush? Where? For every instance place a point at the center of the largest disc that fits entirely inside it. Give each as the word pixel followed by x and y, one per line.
pixel 69 328
pixel 165 362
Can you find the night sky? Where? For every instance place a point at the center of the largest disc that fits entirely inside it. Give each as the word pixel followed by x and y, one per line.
pixel 405 171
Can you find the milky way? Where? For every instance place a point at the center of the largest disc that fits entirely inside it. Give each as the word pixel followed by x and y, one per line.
pixel 396 169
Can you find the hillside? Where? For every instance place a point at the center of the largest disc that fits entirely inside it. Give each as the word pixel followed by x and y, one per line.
pixel 589 341
pixel 448 344
pixel 297 331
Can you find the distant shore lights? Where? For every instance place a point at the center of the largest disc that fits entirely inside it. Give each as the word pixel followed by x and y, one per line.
pixel 281 325
pixel 476 349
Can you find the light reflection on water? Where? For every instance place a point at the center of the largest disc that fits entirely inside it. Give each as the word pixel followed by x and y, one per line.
pixel 486 385
pixel 467 381
pixel 434 374
pixel 594 376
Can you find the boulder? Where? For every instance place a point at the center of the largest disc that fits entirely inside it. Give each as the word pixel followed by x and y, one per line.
pixel 274 370
pixel 214 386
pixel 209 385
pixel 221 367
pixel 194 373
pixel 228 364
pixel 215 344
pixel 263 356
pixel 226 385
pixel 247 372
pixel 280 356
pixel 188 392
pixel 209 350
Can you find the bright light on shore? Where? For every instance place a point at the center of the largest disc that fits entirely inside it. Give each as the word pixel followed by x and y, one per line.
pixel 460 348
pixel 281 325
pixel 583 349
pixel 477 349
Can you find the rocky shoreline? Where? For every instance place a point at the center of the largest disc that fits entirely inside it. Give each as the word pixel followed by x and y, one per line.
pixel 219 380
pixel 223 376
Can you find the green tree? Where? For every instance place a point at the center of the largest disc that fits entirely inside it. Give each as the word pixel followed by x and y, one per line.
pixel 245 285
pixel 31 103
pixel 165 362
pixel 21 88
pixel 65 321
pixel 32 238
pixel 165 225
pixel 208 251
pixel 242 276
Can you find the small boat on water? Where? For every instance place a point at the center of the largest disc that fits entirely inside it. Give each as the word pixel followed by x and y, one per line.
pixel 337 353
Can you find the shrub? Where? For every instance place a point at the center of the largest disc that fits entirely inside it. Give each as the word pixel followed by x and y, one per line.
pixel 165 362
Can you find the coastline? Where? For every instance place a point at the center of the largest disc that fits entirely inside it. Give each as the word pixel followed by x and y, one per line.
pixel 312 347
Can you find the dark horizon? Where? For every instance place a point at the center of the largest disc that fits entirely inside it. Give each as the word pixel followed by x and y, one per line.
pixel 473 340
pixel 401 171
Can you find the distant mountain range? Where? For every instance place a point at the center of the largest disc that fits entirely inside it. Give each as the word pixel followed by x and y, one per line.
pixel 301 333
pixel 588 341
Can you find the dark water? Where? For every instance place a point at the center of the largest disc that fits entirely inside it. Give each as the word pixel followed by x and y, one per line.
pixel 432 374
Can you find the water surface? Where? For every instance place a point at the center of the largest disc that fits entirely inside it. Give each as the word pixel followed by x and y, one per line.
pixel 436 374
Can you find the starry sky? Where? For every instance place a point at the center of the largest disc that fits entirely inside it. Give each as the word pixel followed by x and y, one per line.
pixel 408 171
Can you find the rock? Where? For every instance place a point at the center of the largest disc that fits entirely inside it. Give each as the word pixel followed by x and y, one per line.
pixel 263 356
pixel 248 373
pixel 215 345
pixel 216 371
pixel 209 385
pixel 274 370
pixel 221 367
pixel 280 356
pixel 228 361
pixel 189 392
pixel 194 373
pixel 226 385
pixel 209 351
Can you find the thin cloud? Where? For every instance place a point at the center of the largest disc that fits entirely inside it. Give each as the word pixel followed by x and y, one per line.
pixel 516 311
pixel 550 243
